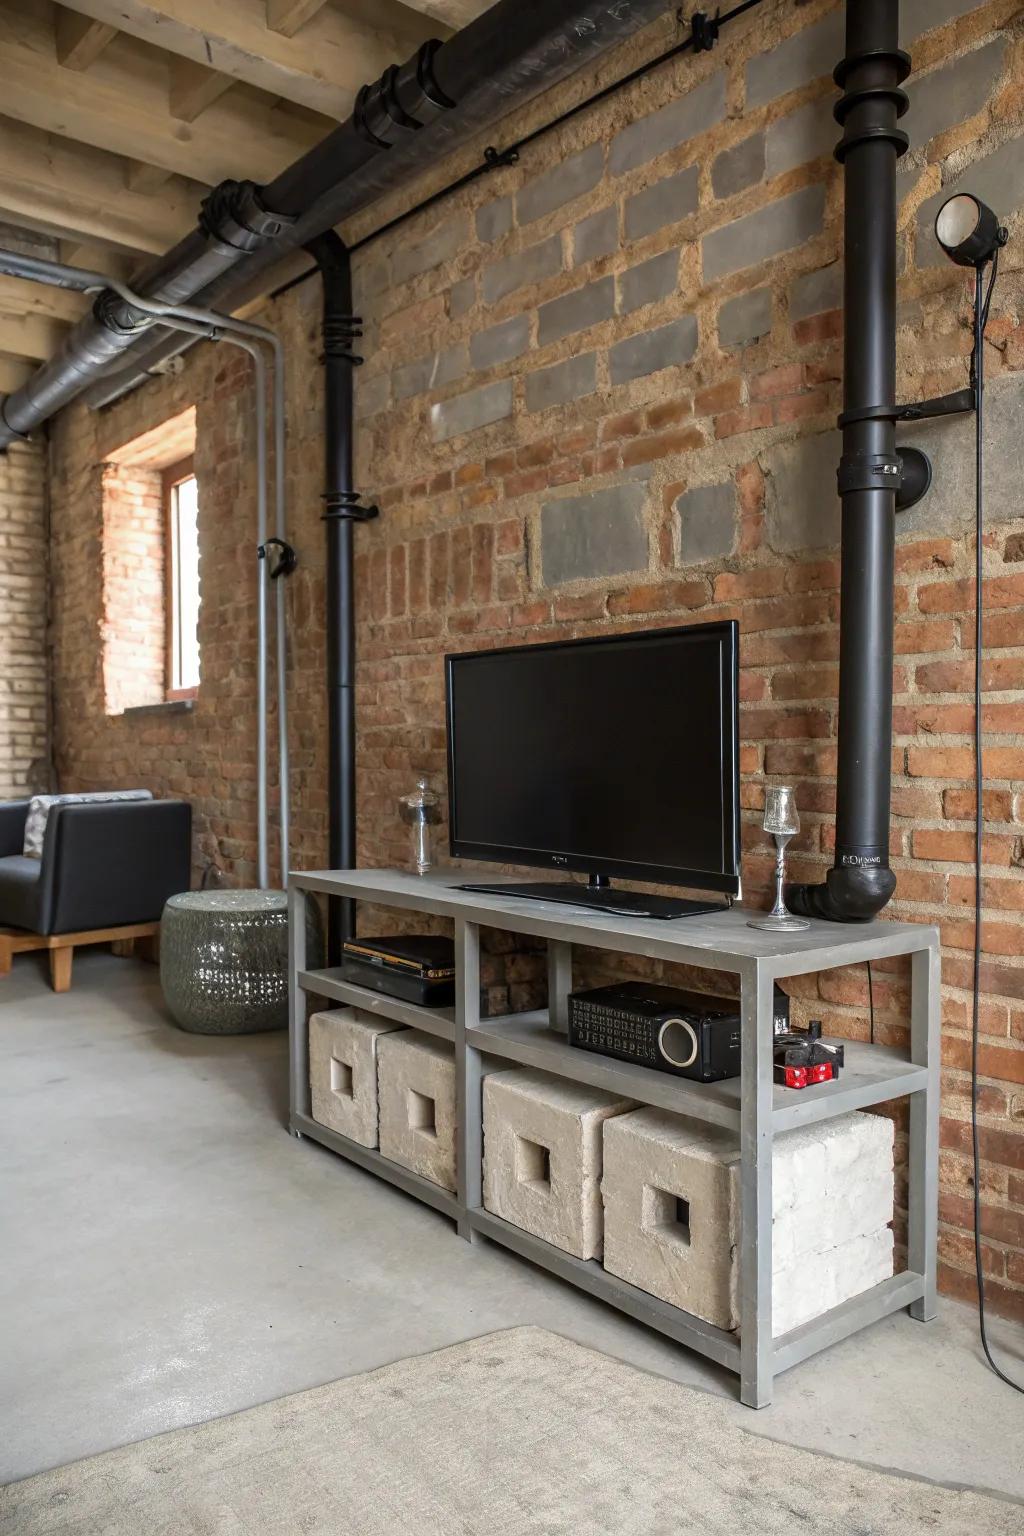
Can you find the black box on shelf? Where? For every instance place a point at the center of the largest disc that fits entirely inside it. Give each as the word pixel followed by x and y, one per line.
pixel 686 1033
pixel 418 968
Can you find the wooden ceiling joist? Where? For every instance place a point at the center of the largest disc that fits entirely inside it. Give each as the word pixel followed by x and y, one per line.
pixel 14 372
pixel 73 191
pixel 193 88
pixel 35 337
pixel 79 39
pixel 20 297
pixel 287 16
pixel 120 105
pixel 321 66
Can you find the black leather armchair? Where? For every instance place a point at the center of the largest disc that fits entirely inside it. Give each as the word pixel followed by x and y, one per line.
pixel 108 864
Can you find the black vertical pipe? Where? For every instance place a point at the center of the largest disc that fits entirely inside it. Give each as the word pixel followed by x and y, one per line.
pixel 860 881
pixel 339 329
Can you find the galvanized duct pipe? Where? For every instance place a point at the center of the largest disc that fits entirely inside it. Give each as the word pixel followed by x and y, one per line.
pixel 415 113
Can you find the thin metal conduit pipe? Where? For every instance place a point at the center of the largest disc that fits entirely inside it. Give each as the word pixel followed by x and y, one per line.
pixel 197 321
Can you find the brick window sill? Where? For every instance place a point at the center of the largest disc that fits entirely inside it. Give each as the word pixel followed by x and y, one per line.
pixel 166 707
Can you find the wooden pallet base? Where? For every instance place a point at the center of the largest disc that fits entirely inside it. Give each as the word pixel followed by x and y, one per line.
pixel 130 938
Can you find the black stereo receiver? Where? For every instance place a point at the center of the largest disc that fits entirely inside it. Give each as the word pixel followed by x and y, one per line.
pixel 664 1027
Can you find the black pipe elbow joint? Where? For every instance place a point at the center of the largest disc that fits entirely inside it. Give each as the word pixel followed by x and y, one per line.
pixel 849 894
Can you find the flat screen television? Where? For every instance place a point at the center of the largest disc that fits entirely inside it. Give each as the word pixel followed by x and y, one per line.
pixel 611 756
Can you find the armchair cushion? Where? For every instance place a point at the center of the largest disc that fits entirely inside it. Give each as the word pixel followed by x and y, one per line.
pixel 21 889
pixel 12 826
pixel 40 807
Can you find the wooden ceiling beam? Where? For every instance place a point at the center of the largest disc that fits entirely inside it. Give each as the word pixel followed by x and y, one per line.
pixel 287 16
pixel 121 106
pixel 80 40
pixel 451 13
pixel 193 88
pixel 322 66
pixel 14 372
pixel 78 193
pixel 35 337
pixel 20 297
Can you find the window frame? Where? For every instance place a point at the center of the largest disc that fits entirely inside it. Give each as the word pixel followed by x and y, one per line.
pixel 173 476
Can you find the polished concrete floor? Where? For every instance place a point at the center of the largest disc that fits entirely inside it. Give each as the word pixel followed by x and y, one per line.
pixel 170 1254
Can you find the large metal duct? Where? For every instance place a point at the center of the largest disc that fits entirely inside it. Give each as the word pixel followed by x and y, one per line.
pixel 416 112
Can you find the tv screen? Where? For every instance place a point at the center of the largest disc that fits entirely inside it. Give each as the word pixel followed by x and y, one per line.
pixel 613 756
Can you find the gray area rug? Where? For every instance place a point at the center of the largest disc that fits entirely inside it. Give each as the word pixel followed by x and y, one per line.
pixel 509 1435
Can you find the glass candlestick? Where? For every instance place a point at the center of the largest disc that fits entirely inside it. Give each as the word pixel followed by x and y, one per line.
pixel 421 810
pixel 782 820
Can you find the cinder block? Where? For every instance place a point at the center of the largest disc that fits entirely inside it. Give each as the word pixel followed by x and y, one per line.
pixel 343 1071
pixel 476 408
pixel 542 1156
pixel 600 534
pixel 648 282
pixel 672 1213
pixel 567 180
pixel 416 1090
pixel 778 227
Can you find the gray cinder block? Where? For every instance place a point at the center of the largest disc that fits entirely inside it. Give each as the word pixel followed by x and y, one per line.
pixel 708 522
pixel 672 1213
pixel 598 534
pixel 666 202
pixel 570 380
pixel 576 311
pixel 648 282
pixel 476 408
pixel 668 346
pixel 343 1071
pixel 522 268
pixel 565 181
pixel 680 119
pixel 416 1094
pixel 596 235
pixel 746 317
pixel 542 1156
pixel 778 227
pixel 739 167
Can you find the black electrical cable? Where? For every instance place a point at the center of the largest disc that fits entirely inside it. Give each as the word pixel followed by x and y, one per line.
pixel 871 1005
pixel 495 158
pixel 981 308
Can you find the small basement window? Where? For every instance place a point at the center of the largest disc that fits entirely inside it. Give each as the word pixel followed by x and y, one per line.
pixel 181 542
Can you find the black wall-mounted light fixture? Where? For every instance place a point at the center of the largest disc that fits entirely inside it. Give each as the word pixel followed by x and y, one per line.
pixel 968 230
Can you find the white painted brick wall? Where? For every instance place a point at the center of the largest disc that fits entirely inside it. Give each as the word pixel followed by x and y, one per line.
pixel 343 1071
pixel 543 1154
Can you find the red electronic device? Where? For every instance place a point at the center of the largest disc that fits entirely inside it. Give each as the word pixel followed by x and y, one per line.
pixel 802 1058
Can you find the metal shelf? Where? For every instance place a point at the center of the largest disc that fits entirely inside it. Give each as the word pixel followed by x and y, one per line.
pixel 751 1105
pixel 329 983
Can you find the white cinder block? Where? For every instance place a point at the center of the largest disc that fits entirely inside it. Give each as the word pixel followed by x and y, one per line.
pixel 672 1213
pixel 343 1071
pixel 416 1091
pixel 542 1156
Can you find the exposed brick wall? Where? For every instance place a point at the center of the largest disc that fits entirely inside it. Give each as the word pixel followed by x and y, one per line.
pixel 134 615
pixel 24 674
pixel 600 394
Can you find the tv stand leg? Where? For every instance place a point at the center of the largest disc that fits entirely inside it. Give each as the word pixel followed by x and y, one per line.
pixel 599 883
pixel 468 1077
pixel 559 984
pixel 756 1102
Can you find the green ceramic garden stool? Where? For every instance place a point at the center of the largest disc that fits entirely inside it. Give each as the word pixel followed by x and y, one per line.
pixel 224 960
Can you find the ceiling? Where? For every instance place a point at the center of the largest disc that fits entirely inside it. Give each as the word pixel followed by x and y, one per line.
pixel 117 115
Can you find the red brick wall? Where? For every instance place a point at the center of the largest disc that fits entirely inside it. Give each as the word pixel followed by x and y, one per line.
pixel 464 555
pixel 134 612
pixel 24 673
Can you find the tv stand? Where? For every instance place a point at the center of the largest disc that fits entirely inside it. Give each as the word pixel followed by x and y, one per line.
pixel 598 895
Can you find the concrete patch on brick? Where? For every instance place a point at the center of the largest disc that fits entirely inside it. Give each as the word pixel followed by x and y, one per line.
pixel 565 181
pixel 998 180
pixel 779 227
pixel 954 93
pixel 462 298
pixel 805 135
pixel 494 219
pixel 669 346
pixel 816 292
pixel 445 242
pixel 739 167
pixel 570 380
pixel 743 319
pixel 466 413
pixel 600 534
pixel 576 311
pixel 801 500
pixel 597 235
pixel 431 372
pixel 500 343
pixel 708 520
pixel 681 119
pixel 949 505
pixel 807 55
pixel 523 267
pixel 372 395
pixel 918 16
pixel 666 202
pixel 648 282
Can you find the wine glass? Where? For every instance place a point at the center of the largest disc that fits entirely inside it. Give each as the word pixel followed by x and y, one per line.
pixel 782 820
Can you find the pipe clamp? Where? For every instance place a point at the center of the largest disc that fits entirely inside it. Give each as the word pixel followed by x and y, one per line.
pixel 869 472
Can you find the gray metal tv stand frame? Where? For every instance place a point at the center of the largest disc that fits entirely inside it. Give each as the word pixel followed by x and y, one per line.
pixel 752 1105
